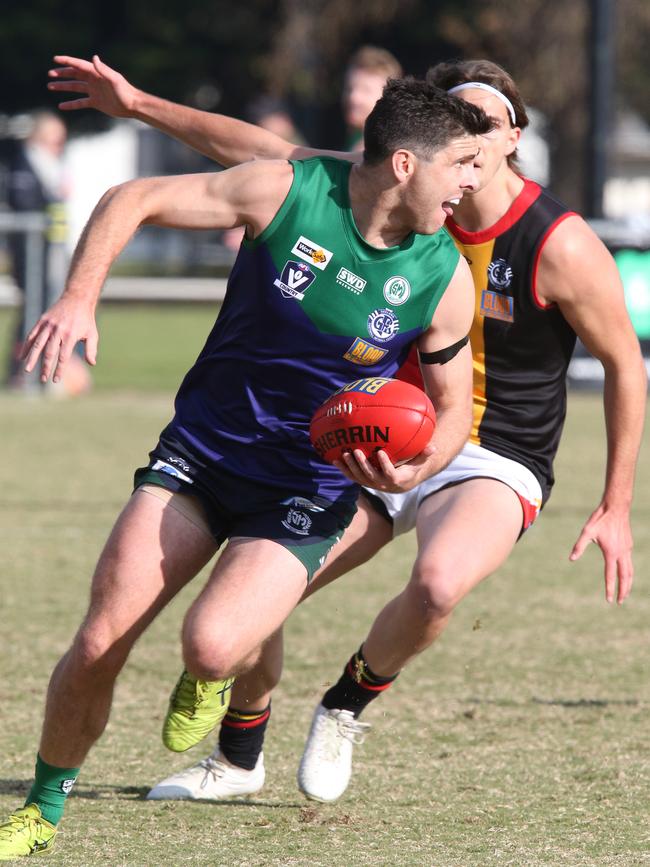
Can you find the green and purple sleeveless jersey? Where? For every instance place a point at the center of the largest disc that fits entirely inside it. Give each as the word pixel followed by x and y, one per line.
pixel 310 306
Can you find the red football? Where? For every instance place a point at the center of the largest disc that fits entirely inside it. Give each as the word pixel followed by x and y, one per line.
pixel 372 414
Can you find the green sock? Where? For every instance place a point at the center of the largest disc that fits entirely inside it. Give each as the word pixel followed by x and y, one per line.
pixel 51 788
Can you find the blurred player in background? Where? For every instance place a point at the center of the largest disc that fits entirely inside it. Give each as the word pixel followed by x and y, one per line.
pixel 541 276
pixel 367 72
pixel 273 114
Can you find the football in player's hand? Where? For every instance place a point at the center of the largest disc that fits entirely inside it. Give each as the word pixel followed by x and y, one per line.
pixel 372 414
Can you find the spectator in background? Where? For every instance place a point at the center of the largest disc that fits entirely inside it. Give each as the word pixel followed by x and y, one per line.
pixel 37 182
pixel 273 114
pixel 367 72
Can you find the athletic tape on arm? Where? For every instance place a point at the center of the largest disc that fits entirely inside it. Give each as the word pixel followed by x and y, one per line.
pixel 442 356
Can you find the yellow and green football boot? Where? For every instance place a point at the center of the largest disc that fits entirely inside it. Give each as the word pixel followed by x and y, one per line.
pixel 26 833
pixel 196 707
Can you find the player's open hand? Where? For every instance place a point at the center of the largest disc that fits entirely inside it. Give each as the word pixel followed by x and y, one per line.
pixel 610 529
pixel 102 87
pixel 382 474
pixel 55 336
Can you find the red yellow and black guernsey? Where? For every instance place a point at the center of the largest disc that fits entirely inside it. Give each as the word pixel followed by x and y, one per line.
pixel 521 347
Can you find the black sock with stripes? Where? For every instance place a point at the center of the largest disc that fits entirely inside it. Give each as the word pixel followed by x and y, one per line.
pixel 357 686
pixel 241 736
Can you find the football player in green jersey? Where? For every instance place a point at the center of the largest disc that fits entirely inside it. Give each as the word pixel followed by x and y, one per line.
pixel 575 279
pixel 235 462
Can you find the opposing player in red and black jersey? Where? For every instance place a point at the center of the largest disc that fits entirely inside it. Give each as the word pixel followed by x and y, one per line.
pixel 541 277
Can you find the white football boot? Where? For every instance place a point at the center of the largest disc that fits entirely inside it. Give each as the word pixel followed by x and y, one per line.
pixel 326 764
pixel 213 779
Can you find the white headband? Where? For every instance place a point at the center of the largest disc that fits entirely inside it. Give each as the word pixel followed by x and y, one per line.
pixel 481 86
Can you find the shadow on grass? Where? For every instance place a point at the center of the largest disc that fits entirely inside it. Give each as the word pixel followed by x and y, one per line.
pixel 559 702
pixel 586 702
pixel 95 792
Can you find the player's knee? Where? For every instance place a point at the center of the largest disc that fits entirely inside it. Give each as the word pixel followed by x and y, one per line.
pixel 210 659
pixel 433 591
pixel 97 653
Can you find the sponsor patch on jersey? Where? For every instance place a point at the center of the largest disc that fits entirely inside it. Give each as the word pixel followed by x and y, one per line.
pixel 383 325
pixel 295 278
pixel 313 253
pixel 497 306
pixel 397 290
pixel 362 352
pixel 171 470
pixel 298 522
pixel 351 281
pixel 500 273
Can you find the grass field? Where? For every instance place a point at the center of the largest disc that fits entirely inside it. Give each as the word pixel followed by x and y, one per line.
pixel 522 738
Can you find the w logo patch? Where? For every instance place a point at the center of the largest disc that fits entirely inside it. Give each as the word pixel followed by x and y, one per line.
pixel 295 278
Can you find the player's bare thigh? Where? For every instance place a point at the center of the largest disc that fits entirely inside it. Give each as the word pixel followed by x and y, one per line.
pixel 367 533
pixel 464 533
pixel 252 589
pixel 153 550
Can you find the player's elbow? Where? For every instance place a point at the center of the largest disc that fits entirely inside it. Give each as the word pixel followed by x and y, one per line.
pixel 123 190
pixel 109 197
pixel 627 365
pixel 123 198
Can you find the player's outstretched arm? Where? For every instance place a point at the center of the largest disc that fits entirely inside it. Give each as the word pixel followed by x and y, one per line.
pixel 224 139
pixel 578 273
pixel 449 386
pixel 248 195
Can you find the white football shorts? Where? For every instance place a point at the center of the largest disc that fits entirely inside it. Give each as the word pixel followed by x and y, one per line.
pixel 473 462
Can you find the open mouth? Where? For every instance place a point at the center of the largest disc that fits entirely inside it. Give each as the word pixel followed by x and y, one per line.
pixel 448 206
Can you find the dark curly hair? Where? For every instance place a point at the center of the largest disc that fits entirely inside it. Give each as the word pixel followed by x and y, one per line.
pixel 420 117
